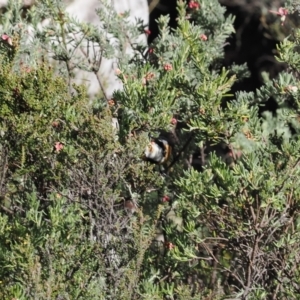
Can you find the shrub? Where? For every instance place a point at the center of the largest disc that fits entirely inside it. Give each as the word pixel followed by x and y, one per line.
pixel 84 217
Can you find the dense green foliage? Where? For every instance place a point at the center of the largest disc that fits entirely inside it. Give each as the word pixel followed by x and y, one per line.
pixel 82 216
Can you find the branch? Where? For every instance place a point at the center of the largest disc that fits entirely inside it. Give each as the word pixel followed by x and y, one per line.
pixel 180 152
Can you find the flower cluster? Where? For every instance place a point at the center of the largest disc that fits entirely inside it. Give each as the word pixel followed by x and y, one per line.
pixel 168 67
pixel 194 5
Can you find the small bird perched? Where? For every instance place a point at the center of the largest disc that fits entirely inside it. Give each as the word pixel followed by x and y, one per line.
pixel 158 151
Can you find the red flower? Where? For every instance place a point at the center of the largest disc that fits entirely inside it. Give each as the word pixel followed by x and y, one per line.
pixel 58 146
pixel 173 121
pixel 194 5
pixel 165 199
pixel 55 124
pixel 147 77
pixel 6 38
pixel 281 12
pixel 168 67
pixel 169 245
pixel 203 37
pixel 147 31
pixel 150 50
pixel 111 102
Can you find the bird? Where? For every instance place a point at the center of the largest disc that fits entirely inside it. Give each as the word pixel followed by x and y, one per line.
pixel 158 151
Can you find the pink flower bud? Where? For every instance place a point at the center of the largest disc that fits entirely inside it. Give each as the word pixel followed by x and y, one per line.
pixel 282 12
pixel 6 38
pixel 173 121
pixel 203 37
pixel 169 245
pixel 165 199
pixel 58 146
pixel 168 67
pixel 194 5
